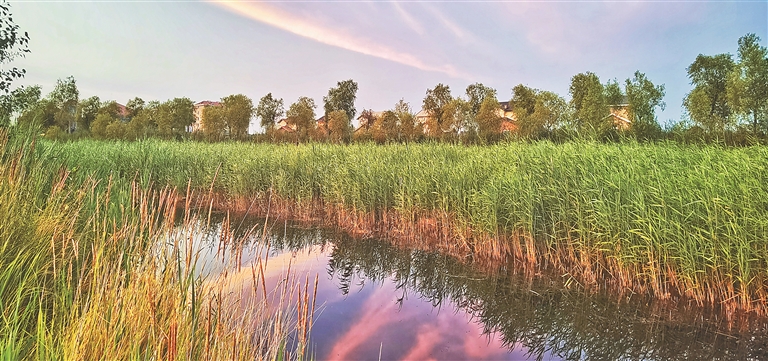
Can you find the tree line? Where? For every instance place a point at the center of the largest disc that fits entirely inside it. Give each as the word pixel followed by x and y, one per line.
pixel 728 102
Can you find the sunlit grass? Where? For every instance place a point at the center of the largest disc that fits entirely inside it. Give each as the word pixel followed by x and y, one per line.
pixel 664 219
pixel 93 268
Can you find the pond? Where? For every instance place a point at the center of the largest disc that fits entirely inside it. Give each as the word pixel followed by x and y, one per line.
pixel 375 301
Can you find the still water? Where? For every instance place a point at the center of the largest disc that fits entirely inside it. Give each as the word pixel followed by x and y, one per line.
pixel 376 301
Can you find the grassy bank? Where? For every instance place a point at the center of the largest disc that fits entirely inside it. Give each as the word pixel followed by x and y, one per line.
pixel 662 219
pixel 89 270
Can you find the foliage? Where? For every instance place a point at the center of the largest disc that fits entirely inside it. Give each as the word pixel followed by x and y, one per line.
pixel 174 116
pixel 301 115
pixel 707 104
pixel 237 111
pixel 436 104
pixel 99 125
pixel 214 123
pixel 643 98
pixel 17 102
pixel 588 102
pixel 523 100
pixel 488 120
pixel 13 44
pixel 613 93
pixel 747 89
pixel 342 97
pixel 269 110
pixel 550 111
pixel 87 111
pixel 476 95
pixel 340 130
pixel 134 106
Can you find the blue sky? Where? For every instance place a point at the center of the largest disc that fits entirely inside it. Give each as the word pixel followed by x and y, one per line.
pixel 158 50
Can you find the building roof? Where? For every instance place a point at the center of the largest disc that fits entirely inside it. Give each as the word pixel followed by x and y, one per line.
pixel 206 103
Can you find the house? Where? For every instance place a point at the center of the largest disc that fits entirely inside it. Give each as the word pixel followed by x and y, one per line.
pixel 505 111
pixel 619 114
pixel 284 126
pixel 122 112
pixel 198 114
pixel 322 125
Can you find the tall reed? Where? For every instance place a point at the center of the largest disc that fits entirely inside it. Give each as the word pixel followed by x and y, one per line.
pixel 94 268
pixel 671 220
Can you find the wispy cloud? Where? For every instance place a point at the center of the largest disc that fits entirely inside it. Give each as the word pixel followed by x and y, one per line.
pixel 459 32
pixel 409 20
pixel 306 28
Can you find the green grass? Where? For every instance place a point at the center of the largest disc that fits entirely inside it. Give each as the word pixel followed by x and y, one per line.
pixel 656 218
pixel 85 273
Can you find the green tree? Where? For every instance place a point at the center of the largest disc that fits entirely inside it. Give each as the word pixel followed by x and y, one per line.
pixel 268 110
pixel 709 76
pixel 550 112
pixel 238 111
pixel 301 115
pixel 42 114
pixel 99 125
pixel 65 96
pixel 17 102
pixel 174 116
pixel 436 103
pixel 588 102
pixel 488 120
pixel 476 94
pixel 643 98
pixel 747 89
pixel 523 100
pixel 338 126
pixel 134 106
pixel 115 130
pixel 13 44
pixel 613 93
pixel 342 97
pixel 87 111
pixel 140 125
pixel 406 120
pixel 214 122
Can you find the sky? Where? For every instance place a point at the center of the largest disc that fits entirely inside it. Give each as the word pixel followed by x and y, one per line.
pixel 206 50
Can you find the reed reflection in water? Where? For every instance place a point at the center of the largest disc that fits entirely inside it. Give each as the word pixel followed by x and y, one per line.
pixel 378 301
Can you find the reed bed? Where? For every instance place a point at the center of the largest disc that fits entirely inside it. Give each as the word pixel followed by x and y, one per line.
pixel 678 222
pixel 95 269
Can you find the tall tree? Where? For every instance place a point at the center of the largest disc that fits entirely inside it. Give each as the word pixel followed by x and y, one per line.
pixel 301 115
pixel 134 106
pixel 644 97
pixel 476 94
pixel 13 44
pixel 174 116
pixel 342 97
pixel 588 102
pixel 17 102
pixel 238 111
pixel 214 123
pixel 523 100
pixel 340 131
pixel 268 110
pixel 436 103
pixel 87 111
pixel 613 93
pixel 488 120
pixel 709 76
pixel 65 96
pixel 748 84
pixel 406 120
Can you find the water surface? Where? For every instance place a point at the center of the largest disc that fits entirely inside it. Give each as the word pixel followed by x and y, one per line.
pixel 379 302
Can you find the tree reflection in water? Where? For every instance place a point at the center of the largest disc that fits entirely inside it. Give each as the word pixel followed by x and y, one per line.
pixel 539 314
